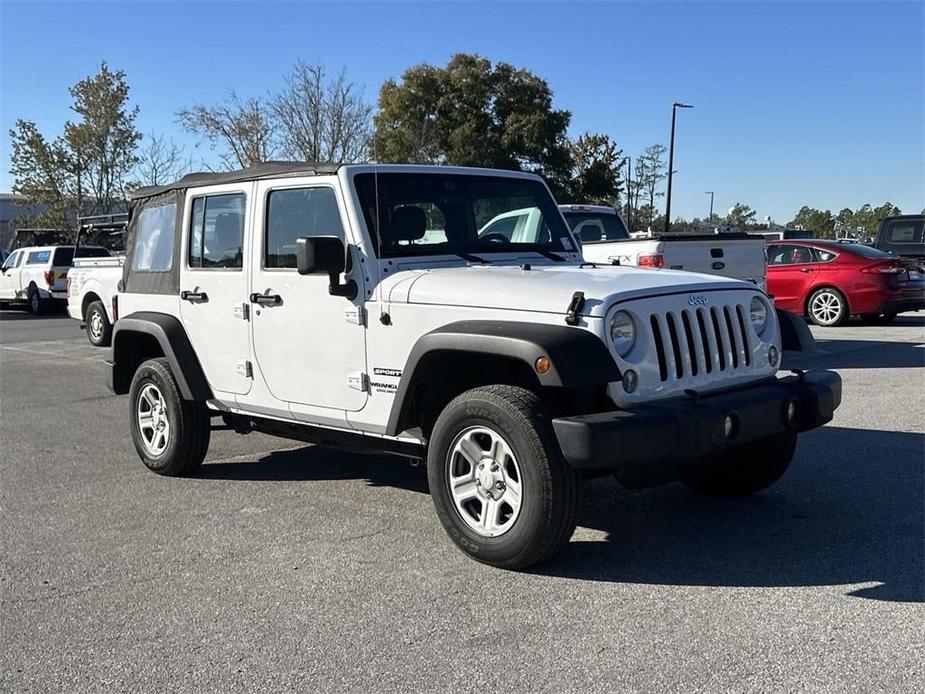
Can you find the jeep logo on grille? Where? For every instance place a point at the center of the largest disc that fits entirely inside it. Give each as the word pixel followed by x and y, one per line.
pixel 697 300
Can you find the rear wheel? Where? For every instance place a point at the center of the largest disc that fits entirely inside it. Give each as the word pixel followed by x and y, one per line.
pixel 36 303
pixel 171 435
pixel 827 307
pixel 500 486
pixel 99 329
pixel 747 470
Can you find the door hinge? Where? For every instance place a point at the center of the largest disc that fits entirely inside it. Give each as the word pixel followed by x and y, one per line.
pixel 355 315
pixel 358 380
pixel 242 311
pixel 245 368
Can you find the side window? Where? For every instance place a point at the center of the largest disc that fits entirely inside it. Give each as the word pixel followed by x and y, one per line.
pixel 216 238
pixel 153 251
pixel 38 257
pixel 504 226
pixel 296 212
pixel 904 232
pixel 779 255
pixel 12 261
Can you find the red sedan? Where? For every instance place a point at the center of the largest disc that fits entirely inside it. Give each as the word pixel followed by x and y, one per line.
pixel 830 281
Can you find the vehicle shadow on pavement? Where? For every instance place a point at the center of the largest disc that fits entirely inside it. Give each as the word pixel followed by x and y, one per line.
pixel 315 463
pixel 12 314
pixel 858 354
pixel 849 511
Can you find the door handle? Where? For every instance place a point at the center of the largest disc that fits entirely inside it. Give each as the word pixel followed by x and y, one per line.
pixel 194 297
pixel 806 269
pixel 266 299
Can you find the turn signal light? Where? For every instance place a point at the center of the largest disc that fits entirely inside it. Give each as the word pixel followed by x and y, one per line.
pixel 651 260
pixel 543 365
pixel 884 269
pixel 49 277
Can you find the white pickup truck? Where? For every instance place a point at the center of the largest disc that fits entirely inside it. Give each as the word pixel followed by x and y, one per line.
pixel 605 239
pixel 93 294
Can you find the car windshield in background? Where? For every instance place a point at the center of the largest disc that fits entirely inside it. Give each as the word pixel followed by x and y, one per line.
pixel 65 256
pixel 591 227
pixel 435 214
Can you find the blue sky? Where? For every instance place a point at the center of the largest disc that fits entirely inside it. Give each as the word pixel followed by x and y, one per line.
pixel 795 102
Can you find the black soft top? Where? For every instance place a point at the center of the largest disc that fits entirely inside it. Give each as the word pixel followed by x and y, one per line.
pixel 266 170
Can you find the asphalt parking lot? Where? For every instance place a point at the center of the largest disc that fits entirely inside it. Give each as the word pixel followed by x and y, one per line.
pixel 283 567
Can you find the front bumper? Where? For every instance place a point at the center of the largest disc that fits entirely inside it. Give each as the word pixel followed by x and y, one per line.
pixel 662 439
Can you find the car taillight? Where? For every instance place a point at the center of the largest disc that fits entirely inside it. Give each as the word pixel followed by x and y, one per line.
pixel 115 308
pixel 887 268
pixel 651 260
pixel 49 277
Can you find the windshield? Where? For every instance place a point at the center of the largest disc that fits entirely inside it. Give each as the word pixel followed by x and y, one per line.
pixel 593 227
pixel 437 213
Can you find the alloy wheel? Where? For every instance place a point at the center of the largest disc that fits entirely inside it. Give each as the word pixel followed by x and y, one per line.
pixel 152 419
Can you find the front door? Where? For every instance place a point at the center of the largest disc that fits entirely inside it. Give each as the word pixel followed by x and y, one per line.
pixel 213 285
pixel 9 280
pixel 310 346
pixel 790 274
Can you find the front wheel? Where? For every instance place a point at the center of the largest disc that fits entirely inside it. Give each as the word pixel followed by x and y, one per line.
pixel 747 470
pixel 827 307
pixel 99 329
pixel 170 434
pixel 500 486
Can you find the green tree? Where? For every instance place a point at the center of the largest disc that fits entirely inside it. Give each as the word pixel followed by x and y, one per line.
pixel 474 113
pixel 651 170
pixel 741 216
pixel 84 170
pixel 243 130
pixel 596 165
pixel 867 217
pixel 820 222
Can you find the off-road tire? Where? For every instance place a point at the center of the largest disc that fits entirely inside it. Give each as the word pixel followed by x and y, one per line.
pixel 103 338
pixel 748 470
pixel 551 488
pixel 35 302
pixel 188 420
pixel 833 295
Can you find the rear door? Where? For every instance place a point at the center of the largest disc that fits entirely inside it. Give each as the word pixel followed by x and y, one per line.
pixel 213 284
pixel 790 275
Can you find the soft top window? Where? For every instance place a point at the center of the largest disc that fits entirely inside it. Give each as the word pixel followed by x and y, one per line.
pixel 438 213
pixel 153 249
pixel 38 257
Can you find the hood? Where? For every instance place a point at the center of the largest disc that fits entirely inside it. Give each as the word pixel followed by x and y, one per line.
pixel 543 288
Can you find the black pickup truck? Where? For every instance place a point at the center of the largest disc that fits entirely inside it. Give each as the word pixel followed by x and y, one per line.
pixel 903 235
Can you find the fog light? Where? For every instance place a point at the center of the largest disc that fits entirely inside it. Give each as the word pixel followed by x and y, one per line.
pixel 772 355
pixel 630 381
pixel 730 426
pixel 793 412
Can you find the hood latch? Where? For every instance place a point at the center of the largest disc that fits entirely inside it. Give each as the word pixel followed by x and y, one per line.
pixel 574 308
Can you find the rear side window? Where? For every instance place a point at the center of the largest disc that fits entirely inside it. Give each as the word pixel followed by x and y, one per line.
pixel 216 237
pixel 904 232
pixel 297 212
pixel 38 257
pixel 64 256
pixel 154 234
pixel 593 226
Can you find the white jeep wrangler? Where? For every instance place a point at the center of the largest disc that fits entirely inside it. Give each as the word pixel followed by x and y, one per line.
pixel 372 307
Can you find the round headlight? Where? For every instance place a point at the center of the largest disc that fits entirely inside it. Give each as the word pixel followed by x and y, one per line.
pixel 758 313
pixel 622 332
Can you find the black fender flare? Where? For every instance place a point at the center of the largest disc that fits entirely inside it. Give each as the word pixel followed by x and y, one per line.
pixel 795 335
pixel 174 343
pixel 579 358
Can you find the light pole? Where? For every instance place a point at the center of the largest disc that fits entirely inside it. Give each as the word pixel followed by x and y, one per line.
pixel 674 109
pixel 710 193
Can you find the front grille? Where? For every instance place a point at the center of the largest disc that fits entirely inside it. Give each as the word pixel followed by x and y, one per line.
pixel 698 341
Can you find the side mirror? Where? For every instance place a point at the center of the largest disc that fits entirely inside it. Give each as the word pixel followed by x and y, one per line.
pixel 319 255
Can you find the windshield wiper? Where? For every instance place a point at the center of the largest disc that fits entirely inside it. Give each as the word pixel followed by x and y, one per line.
pixel 550 255
pixel 471 258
